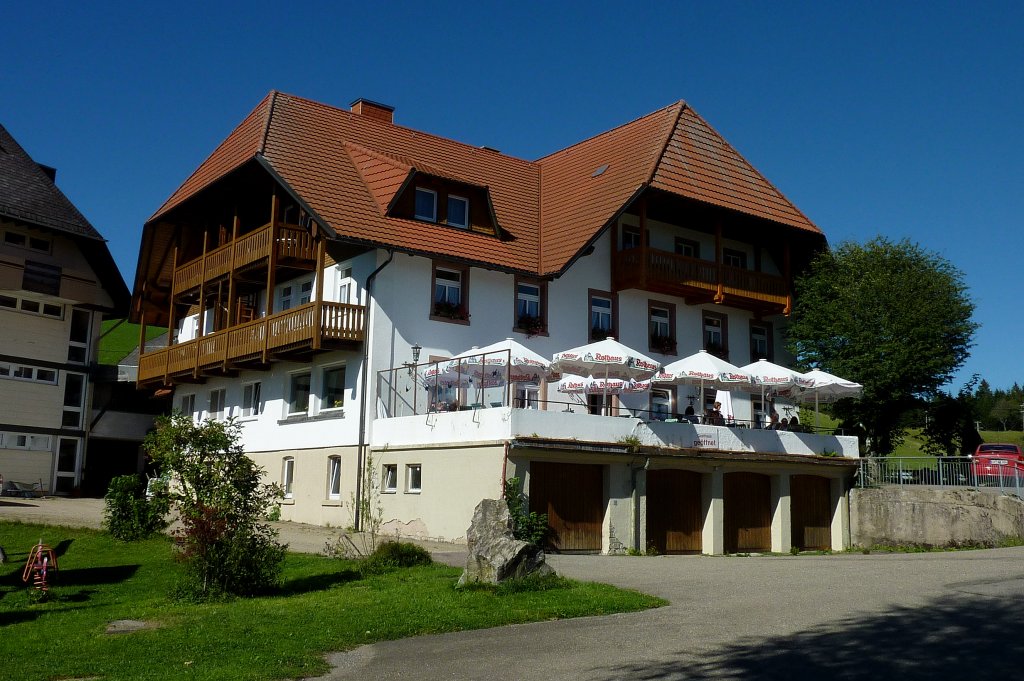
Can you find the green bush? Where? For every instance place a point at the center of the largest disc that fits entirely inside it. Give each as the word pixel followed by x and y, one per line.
pixel 530 526
pixel 392 554
pixel 128 515
pixel 222 502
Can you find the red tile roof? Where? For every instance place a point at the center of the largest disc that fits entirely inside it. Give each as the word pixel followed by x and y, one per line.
pixel 347 168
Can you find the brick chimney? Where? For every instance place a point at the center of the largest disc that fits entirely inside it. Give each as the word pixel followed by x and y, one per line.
pixel 371 109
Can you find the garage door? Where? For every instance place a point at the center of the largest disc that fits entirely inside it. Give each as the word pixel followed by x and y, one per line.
pixel 573 497
pixel 674 513
pixel 748 512
pixel 811 507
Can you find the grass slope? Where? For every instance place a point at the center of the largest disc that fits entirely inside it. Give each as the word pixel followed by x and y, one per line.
pixel 325 605
pixel 118 338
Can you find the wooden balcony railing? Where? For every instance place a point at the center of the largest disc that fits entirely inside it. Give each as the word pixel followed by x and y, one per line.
pixel 650 269
pixel 293 243
pixel 294 329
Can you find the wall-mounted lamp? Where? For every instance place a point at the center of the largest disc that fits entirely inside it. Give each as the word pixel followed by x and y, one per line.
pixel 415 358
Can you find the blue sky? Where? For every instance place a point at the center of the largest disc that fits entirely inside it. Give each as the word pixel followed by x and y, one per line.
pixel 902 119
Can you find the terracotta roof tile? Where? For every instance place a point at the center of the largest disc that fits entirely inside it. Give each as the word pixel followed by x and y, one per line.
pixel 348 167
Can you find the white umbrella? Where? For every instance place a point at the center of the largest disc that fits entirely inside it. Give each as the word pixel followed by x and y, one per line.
pixel 578 385
pixel 830 388
pixel 605 359
pixel 525 365
pixel 704 369
pixel 770 375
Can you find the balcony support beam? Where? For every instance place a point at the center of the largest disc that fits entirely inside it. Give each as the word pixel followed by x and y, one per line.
pixel 201 325
pixel 231 283
pixel 318 327
pixel 720 294
pixel 271 267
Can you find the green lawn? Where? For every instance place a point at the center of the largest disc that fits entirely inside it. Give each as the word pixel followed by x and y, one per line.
pixel 325 605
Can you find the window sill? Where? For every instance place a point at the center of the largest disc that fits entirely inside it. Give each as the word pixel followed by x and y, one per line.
pixel 413 491
pixel 289 501
pixel 309 418
pixel 332 502
pixel 449 320
pixel 530 334
pixel 389 491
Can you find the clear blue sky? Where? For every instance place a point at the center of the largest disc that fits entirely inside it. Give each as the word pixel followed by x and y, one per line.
pixel 903 119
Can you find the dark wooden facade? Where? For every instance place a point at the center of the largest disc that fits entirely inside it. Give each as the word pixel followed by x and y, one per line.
pixel 811 512
pixel 573 497
pixel 748 512
pixel 675 518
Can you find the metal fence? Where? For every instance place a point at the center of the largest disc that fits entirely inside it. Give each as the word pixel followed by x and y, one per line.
pixel 950 471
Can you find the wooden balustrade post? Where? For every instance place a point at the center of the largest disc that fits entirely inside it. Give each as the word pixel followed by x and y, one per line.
pixel 231 285
pixel 719 294
pixel 318 323
pixel 788 276
pixel 271 271
pixel 645 243
pixel 201 322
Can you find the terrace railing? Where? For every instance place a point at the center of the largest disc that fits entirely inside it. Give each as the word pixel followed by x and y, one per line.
pixel 949 471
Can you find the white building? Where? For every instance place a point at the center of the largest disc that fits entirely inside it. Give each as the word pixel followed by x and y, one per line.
pixel 57 281
pixel 306 257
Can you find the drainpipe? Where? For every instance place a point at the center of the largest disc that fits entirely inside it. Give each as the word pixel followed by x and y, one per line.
pixel 636 502
pixel 363 398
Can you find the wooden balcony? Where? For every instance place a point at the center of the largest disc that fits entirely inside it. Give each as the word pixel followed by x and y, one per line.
pixel 697 280
pixel 307 328
pixel 294 245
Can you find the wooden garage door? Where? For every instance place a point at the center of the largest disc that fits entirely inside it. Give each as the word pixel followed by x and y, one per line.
pixel 573 497
pixel 811 508
pixel 674 513
pixel 748 512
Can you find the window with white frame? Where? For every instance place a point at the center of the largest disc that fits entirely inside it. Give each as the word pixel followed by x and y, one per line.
pixel 530 307
pixel 346 285
pixel 296 293
pixel 334 477
pixel 24 372
pixel 333 390
pixel 715 338
pixel 30 306
pixel 26 241
pixel 630 237
pixel 413 478
pixel 298 393
pixel 74 400
pixel 687 247
pixel 600 317
pixel 734 258
pixel 661 405
pixel 187 405
pixel 659 323
pixel 288 477
pixel 449 298
pixel 218 400
pixel 527 397
pixel 389 478
pixel 24 441
pixel 78 339
pixel 426 204
pixel 458 211
pixel 252 401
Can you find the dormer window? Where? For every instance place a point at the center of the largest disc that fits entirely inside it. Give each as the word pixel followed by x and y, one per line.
pixel 426 204
pixel 458 211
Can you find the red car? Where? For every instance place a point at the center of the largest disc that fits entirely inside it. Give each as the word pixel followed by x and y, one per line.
pixel 998 463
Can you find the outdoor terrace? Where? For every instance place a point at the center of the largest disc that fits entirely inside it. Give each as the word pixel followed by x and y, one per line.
pixel 650 269
pixel 303 329
pixel 497 424
pixel 294 247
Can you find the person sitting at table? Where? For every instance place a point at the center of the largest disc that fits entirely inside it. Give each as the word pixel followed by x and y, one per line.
pixel 794 423
pixel 714 415
pixel 773 420
pixel 784 424
pixel 689 415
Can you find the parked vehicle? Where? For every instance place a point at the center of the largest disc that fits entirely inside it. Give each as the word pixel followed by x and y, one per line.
pixel 998 463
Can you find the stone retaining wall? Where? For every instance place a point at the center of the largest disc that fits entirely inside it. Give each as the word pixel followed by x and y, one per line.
pixel 933 516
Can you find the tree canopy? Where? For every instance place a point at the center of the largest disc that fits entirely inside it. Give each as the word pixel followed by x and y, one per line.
pixel 891 316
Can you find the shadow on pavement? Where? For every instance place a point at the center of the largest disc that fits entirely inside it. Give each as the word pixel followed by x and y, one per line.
pixel 952 638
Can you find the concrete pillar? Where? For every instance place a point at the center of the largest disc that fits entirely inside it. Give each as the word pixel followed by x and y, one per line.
pixel 782 517
pixel 617 528
pixel 640 511
pixel 712 498
pixel 840 515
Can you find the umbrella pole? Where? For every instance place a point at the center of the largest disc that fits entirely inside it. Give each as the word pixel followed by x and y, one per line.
pixel 815 408
pixel 604 399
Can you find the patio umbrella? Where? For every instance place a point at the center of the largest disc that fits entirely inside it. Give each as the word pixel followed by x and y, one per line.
pixel 703 369
pixel 579 385
pixel 770 375
pixel 605 359
pixel 830 388
pixel 524 365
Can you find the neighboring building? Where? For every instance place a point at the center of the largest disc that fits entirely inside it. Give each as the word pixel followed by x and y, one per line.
pixel 303 261
pixel 57 281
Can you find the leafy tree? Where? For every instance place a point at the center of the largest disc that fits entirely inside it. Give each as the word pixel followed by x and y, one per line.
pixel 890 315
pixel 128 514
pixel 528 526
pixel 951 429
pixel 221 501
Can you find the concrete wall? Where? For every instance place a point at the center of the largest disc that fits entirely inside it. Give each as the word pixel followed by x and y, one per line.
pixel 935 517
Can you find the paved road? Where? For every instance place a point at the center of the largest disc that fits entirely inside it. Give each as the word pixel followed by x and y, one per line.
pixel 911 616
pixel 908 616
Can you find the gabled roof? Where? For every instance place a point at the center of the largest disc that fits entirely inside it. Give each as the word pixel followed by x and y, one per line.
pixel 347 168
pixel 28 194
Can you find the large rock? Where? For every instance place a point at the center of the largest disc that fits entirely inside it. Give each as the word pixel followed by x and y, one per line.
pixel 495 555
